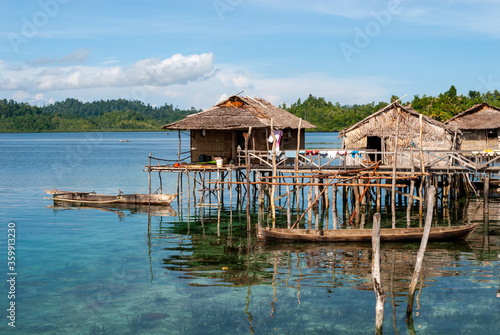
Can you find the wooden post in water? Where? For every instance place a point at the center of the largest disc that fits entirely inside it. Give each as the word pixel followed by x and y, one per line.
pixel 149 196
pixel 334 206
pixel 194 190
pixel 412 184
pixel 393 189
pixel 273 187
pixel 421 251
pixel 486 192
pixel 297 166
pixel 247 160
pixel 379 198
pixel 149 176
pixel 344 200
pixel 357 207
pixel 377 284
pixel 422 170
pixel 309 204
pixel 288 209
pixel 179 152
pixel 188 188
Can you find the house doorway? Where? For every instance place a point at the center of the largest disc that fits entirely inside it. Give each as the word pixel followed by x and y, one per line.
pixel 374 143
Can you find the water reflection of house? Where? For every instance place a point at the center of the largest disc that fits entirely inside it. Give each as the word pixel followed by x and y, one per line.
pixel 480 127
pixel 378 132
pixel 353 261
pixel 221 129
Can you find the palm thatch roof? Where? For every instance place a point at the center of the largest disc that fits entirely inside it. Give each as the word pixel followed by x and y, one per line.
pixel 480 116
pixel 238 112
pixel 383 124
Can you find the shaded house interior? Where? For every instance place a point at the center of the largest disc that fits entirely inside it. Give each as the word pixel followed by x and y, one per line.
pixel 377 132
pixel 480 127
pixel 221 130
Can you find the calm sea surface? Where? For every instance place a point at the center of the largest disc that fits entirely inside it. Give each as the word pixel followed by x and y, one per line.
pixel 83 270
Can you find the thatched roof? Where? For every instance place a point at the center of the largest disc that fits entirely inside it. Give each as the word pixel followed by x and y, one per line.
pixel 480 116
pixel 385 124
pixel 238 112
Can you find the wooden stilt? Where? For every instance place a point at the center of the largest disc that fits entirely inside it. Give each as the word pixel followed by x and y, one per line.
pixel 247 160
pixel 394 166
pixel 421 252
pixel 486 194
pixel 412 188
pixel 379 198
pixel 194 189
pixel 149 196
pixel 334 206
pixel 187 190
pixel 377 284
pixel 422 170
pixel 273 187
pixel 357 203
pixel 309 204
pixel 288 209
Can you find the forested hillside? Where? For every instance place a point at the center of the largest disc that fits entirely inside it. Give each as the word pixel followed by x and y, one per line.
pixel 328 116
pixel 111 115
pixel 74 115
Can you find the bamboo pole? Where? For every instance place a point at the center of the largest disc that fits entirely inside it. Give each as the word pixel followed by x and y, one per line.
pixel 379 198
pixel 366 187
pixel 377 284
pixel 149 195
pixel 247 159
pixel 486 194
pixel 422 169
pixel 412 184
pixel 309 203
pixel 297 164
pixel 188 188
pixel 288 209
pixel 309 207
pixel 325 197
pixel 273 187
pixel 260 200
pixel 421 251
pixel 357 207
pixel 194 189
pixel 393 189
pixel 231 195
pixel 334 206
pixel 179 152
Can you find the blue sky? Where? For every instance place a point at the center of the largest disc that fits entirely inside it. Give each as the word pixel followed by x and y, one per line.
pixel 194 53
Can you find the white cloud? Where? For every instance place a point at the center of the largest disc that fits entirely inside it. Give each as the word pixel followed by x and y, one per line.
pixel 158 82
pixel 346 90
pixel 177 69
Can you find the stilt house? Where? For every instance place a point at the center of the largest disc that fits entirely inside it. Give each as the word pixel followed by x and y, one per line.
pixel 220 130
pixel 378 132
pixel 480 127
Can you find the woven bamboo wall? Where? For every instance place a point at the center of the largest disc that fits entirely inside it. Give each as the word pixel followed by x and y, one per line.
pixel 477 139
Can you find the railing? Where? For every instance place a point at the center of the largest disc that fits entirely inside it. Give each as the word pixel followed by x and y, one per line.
pixel 317 159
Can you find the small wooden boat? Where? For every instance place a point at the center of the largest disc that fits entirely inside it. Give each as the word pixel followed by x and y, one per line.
pixel 364 235
pixel 94 198
pixel 119 208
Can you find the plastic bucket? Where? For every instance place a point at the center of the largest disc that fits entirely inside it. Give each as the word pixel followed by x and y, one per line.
pixel 218 161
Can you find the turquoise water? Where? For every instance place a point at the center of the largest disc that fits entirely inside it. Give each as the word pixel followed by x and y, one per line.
pixel 98 271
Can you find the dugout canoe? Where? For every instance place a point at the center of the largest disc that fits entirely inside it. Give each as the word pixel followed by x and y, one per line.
pixel 364 235
pixel 121 198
